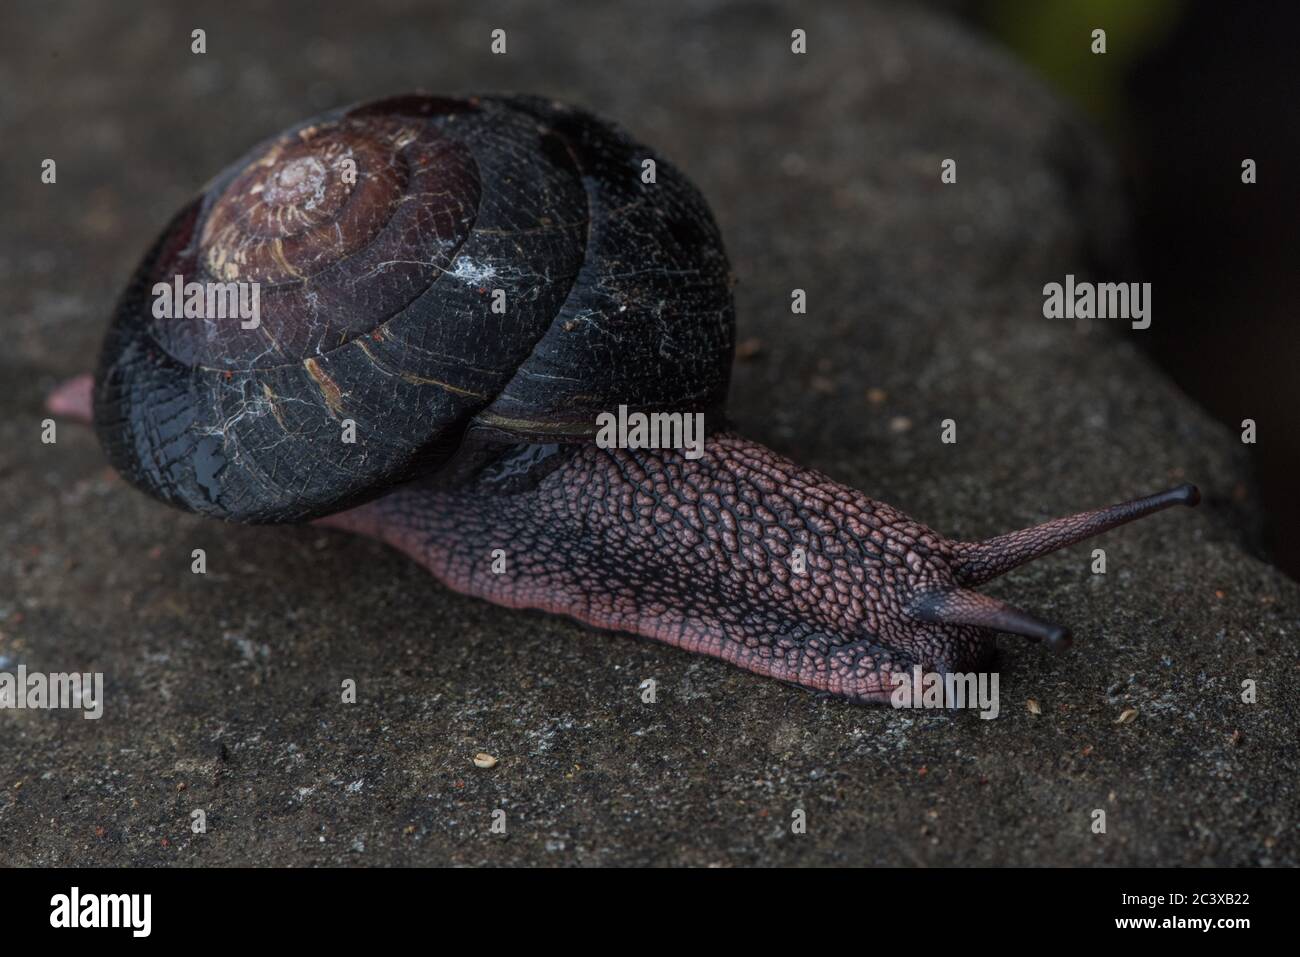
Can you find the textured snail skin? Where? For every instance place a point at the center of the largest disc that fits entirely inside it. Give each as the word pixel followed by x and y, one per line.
pixel 697 554
pixel 474 427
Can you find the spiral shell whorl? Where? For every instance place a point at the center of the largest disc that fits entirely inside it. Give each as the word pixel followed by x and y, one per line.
pixel 376 301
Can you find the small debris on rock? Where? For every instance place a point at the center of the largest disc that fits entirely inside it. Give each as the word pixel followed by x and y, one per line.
pixel 484 760
pixel 1127 715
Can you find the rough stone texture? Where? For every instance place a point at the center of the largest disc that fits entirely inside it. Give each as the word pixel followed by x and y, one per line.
pixel 223 689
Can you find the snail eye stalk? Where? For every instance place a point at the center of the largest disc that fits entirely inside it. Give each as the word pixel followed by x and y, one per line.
pixel 978 562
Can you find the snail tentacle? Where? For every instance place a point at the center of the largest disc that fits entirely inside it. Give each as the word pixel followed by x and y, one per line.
pixel 960 606
pixel 978 562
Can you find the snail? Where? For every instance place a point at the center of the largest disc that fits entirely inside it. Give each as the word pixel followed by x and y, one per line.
pixel 468 284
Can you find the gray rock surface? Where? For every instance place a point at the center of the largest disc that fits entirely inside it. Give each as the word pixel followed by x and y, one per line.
pixel 223 690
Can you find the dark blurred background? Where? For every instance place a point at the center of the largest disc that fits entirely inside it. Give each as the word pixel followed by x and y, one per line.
pixel 1190 89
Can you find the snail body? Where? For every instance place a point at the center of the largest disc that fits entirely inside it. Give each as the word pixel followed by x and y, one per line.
pixel 469 284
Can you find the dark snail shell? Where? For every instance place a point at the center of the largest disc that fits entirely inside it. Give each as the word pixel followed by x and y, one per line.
pixel 376 305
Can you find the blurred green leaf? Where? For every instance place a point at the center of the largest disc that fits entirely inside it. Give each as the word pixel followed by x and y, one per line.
pixel 1055 38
